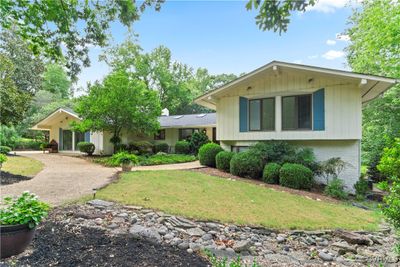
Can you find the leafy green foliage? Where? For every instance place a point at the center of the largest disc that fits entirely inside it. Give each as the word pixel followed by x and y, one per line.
pixel 55 81
pixel 3 158
pixel 374 49
pixel 161 147
pixel 390 161
pixel 161 158
pixel 75 25
pixel 295 176
pixel 335 189
pixel 8 136
pixel 273 151
pixel 182 147
pixel 247 164
pixel 223 160
pixel 141 147
pixel 26 144
pixel 331 168
pixel 197 140
pixel 271 173
pixel 124 158
pixel 361 188
pixel 223 262
pixel 26 209
pixel 5 150
pixel 119 103
pixel 304 156
pixel 207 154
pixel 274 15
pixel 86 147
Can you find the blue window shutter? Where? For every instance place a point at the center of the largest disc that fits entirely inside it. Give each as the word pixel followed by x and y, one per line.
pixel 243 117
pixel 87 136
pixel 60 139
pixel 319 110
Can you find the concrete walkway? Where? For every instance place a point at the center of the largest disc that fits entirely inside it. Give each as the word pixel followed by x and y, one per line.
pixel 62 179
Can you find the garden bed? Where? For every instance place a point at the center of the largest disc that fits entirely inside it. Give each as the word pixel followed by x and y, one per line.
pixel 61 244
pixel 9 178
pixel 18 168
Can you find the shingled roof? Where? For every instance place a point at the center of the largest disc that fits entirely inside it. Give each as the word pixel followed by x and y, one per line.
pixel 192 120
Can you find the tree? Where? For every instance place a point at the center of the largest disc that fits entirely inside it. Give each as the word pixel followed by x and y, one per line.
pixel 55 80
pixel 274 15
pixel 50 26
pixel 118 103
pixel 375 49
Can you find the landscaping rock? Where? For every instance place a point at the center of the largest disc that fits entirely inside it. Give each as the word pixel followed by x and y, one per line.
pixel 150 234
pixel 180 222
pixel 325 256
pixel 183 245
pixel 240 246
pixel 352 238
pixel 195 232
pixel 98 203
pixel 344 248
pixel 280 239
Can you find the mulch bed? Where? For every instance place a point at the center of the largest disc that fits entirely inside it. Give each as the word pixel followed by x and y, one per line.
pixel 9 178
pixel 314 194
pixel 60 245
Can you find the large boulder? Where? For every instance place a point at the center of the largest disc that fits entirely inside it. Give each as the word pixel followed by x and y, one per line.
pixel 151 234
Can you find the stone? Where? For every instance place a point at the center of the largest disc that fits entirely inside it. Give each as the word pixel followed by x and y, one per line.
pixel 212 225
pixel 175 241
pixel 163 230
pixel 352 238
pixel 280 239
pixel 183 245
pixel 189 250
pixel 195 246
pixel 168 236
pixel 325 256
pixel 180 222
pixel 98 221
pixel 123 215
pixel 112 226
pixel 323 243
pixel 195 231
pixel 134 219
pixel 98 203
pixel 242 245
pixel 150 234
pixel 118 220
pixel 207 237
pixel 344 247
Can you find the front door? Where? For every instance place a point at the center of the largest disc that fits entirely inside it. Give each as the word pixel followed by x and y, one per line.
pixel 67 140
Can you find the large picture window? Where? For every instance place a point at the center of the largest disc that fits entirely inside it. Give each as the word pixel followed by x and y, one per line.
pixel 160 135
pixel 296 112
pixel 262 114
pixel 186 133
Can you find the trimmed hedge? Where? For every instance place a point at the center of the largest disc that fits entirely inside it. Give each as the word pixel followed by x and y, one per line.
pixel 161 147
pixel 247 164
pixel 28 144
pixel 207 154
pixel 5 150
pixel 271 173
pixel 182 147
pixel 223 160
pixel 86 147
pixel 142 147
pixel 295 176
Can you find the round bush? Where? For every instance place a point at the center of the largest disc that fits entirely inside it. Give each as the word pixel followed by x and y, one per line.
pixel 207 154
pixel 86 147
pixel 246 164
pixel 223 160
pixel 182 147
pixel 161 147
pixel 124 157
pixel 5 149
pixel 142 147
pixel 271 173
pixel 295 176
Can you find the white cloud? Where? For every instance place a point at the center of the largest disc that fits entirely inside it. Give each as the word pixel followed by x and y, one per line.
pixel 333 54
pixel 330 42
pixel 312 57
pixel 342 37
pixel 330 6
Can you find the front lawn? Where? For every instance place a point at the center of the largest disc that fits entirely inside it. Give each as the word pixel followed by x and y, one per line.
pixel 157 159
pixel 19 165
pixel 206 197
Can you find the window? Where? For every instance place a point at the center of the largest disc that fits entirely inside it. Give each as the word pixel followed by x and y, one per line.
pixel 238 149
pixel 185 134
pixel 296 112
pixel 262 114
pixel 160 135
pixel 79 137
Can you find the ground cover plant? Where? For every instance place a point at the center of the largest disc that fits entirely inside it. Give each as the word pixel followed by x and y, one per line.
pixel 201 196
pixel 156 159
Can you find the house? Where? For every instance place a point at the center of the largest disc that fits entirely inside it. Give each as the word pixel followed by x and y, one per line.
pixel 307 106
pixel 172 129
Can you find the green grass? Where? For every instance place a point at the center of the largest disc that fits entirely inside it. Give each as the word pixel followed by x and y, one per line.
pixel 157 159
pixel 22 166
pixel 201 196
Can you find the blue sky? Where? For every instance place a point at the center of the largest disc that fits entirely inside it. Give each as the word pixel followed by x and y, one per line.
pixel 222 36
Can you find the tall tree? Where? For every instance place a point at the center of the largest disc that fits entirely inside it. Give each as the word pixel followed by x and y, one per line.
pixel 375 49
pixel 55 80
pixel 118 103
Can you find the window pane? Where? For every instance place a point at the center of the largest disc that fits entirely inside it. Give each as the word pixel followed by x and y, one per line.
pixel 79 137
pixel 254 110
pixel 304 111
pixel 289 113
pixel 268 114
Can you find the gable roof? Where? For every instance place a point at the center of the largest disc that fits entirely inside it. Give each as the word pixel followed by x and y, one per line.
pixel 55 115
pixel 191 120
pixel 373 85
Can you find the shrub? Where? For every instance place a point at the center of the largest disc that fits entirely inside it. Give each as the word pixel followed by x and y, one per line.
pixel 25 143
pixel 161 147
pixel 223 160
pixel 26 209
pixel 207 154
pixel 273 151
pixel 295 176
pixel 197 140
pixel 182 147
pixel 8 136
pixel 5 149
pixel 361 188
pixel 3 158
pixel 304 156
pixel 162 158
pixel 247 164
pixel 86 147
pixel 271 173
pixel 142 147
pixel 332 168
pixel 124 157
pixel 335 189
pixel 120 147
pixel 390 162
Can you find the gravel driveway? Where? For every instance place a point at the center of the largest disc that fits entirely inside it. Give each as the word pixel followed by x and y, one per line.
pixel 63 179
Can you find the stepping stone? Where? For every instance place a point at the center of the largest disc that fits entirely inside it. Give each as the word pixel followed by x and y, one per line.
pixel 98 203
